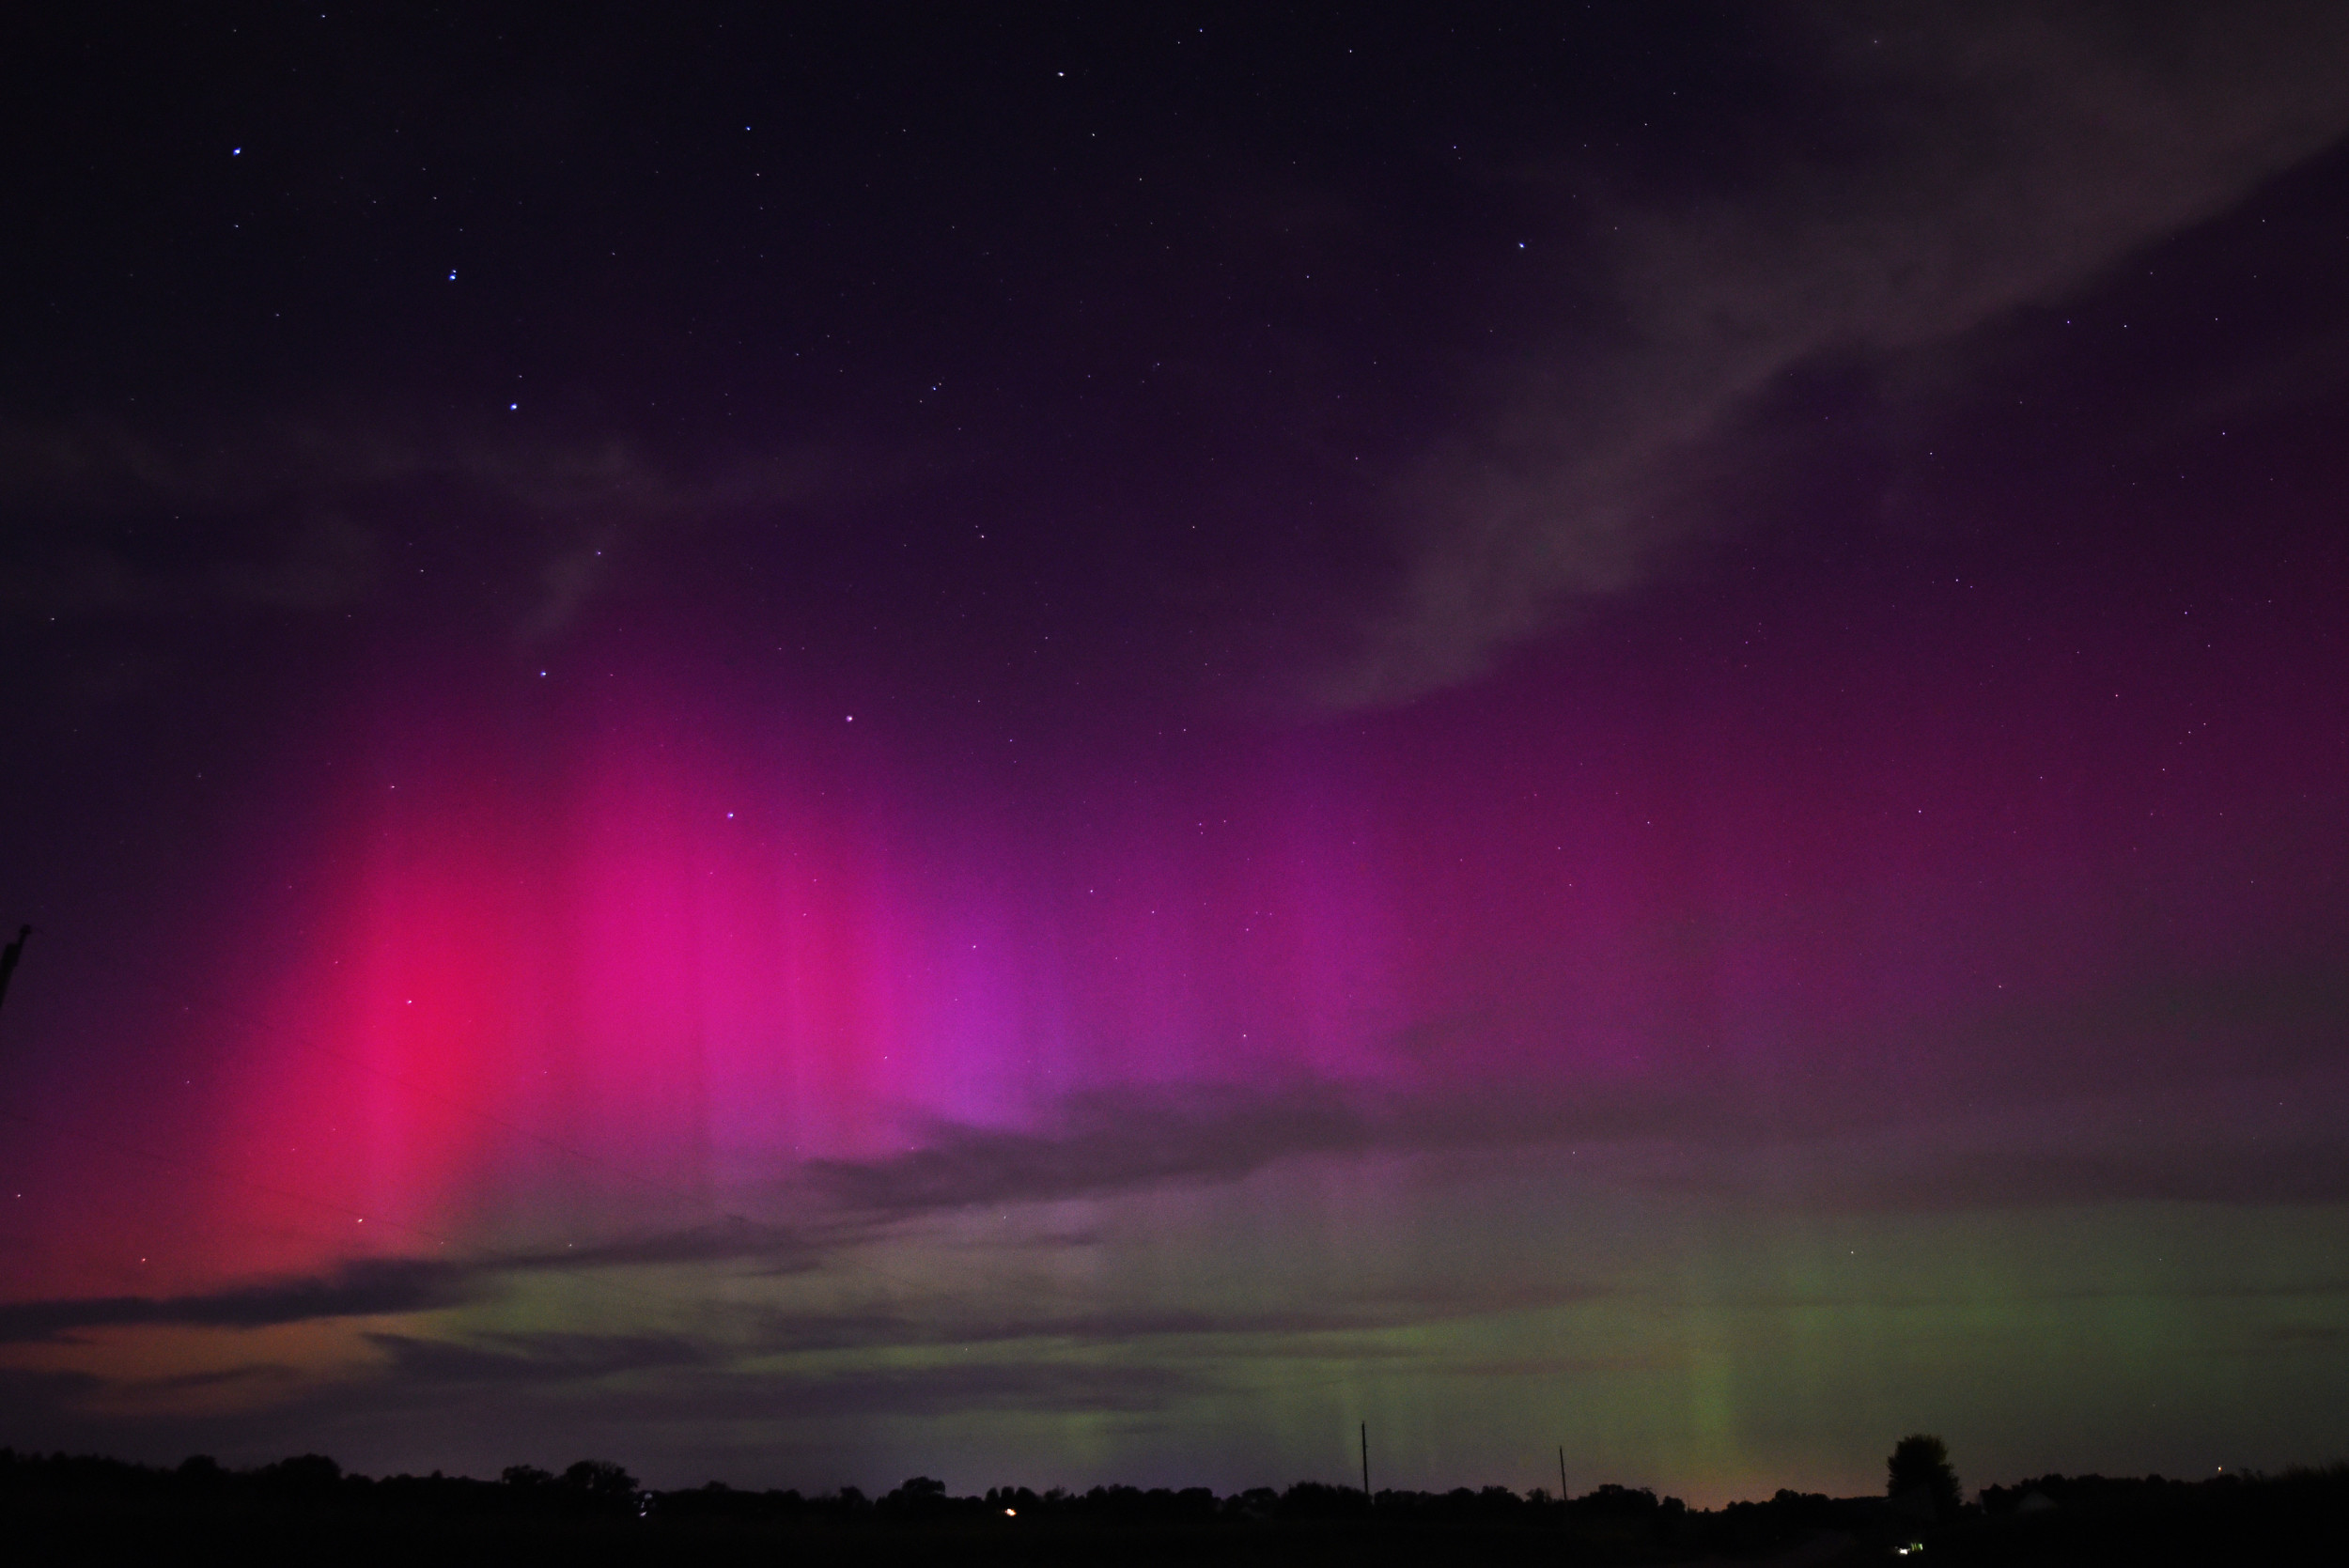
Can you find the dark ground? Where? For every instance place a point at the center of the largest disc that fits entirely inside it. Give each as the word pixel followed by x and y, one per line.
pixel 57 1509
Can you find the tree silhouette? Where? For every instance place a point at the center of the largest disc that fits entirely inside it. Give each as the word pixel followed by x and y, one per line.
pixel 602 1485
pixel 921 1496
pixel 9 957
pixel 1920 1464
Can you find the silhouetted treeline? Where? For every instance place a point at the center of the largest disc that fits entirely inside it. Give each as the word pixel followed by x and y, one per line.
pixel 65 1508
pixel 2094 1520
pixel 313 1483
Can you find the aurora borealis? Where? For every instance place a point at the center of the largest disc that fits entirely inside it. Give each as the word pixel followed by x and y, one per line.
pixel 1057 750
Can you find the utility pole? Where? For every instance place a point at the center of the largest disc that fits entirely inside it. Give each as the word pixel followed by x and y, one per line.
pixel 1562 1473
pixel 1366 1496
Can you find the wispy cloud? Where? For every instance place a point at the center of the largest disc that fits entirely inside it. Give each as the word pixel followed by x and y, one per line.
pixel 308 517
pixel 2244 1170
pixel 1981 157
pixel 1105 1142
pixel 2083 1124
pixel 694 1381
pixel 384 1287
pixel 536 1359
pixel 1337 1311
pixel 731 1239
pixel 369 1288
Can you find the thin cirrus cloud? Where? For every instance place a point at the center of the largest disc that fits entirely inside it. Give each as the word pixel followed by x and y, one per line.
pixel 863 1393
pixel 1336 1311
pixel 365 1288
pixel 2097 1163
pixel 306 517
pixel 1970 1133
pixel 731 1239
pixel 535 1359
pixel 2248 1171
pixel 587 1402
pixel 1983 157
pixel 393 1287
pixel 1107 1142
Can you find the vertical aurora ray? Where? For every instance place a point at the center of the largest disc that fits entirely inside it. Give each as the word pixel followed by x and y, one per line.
pixel 647 955
pixel 642 974
pixel 618 972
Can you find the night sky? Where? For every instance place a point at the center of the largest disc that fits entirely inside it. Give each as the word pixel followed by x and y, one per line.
pixel 1068 745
